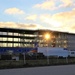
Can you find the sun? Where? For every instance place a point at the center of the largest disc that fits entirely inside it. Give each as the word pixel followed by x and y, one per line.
pixel 47 36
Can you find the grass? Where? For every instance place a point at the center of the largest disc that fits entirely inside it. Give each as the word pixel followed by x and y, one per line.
pixel 5 64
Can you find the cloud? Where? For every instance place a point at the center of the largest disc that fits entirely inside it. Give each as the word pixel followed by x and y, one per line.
pixel 66 3
pixel 55 4
pixel 63 21
pixel 31 17
pixel 48 5
pixel 8 24
pixel 13 11
pixel 66 16
pixel 19 25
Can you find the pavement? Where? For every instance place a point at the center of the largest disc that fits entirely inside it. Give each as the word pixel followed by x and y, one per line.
pixel 48 70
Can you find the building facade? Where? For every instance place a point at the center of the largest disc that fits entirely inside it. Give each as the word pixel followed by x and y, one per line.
pixel 28 38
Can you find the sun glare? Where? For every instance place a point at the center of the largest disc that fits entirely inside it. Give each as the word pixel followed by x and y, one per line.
pixel 47 36
pixel 53 23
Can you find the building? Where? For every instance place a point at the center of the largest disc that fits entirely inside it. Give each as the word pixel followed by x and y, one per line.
pixel 23 40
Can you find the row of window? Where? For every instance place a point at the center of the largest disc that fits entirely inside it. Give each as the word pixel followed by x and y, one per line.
pixel 32 45
pixel 15 45
pixel 17 34
pixel 16 39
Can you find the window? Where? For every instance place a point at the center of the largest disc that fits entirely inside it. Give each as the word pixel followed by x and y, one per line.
pixel 4 39
pixel 10 39
pixel 1 39
pixel 65 41
pixel 10 33
pixel 16 34
pixel 15 39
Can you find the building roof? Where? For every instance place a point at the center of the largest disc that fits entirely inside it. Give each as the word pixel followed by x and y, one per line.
pixel 28 31
pixel 17 30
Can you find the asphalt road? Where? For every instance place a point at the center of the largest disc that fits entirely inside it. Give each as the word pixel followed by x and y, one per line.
pixel 50 70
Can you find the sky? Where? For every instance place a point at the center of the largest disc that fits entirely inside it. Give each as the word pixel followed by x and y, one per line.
pixel 57 15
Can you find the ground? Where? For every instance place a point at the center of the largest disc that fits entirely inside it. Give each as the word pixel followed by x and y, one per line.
pixel 49 70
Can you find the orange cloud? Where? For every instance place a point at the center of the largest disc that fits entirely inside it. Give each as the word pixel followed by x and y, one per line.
pixel 19 25
pixel 50 4
pixel 31 17
pixel 67 3
pixel 8 24
pixel 65 15
pixel 13 11
pixel 64 21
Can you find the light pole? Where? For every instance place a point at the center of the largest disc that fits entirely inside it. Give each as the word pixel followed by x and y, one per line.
pixel 24 58
pixel 47 37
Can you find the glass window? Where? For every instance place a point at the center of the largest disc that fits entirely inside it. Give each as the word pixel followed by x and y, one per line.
pixel 1 33
pixel 16 45
pixel 4 33
pixel 10 33
pixel 10 39
pixel 15 39
pixel 16 34
pixel 4 39
pixel 1 39
pixel 65 41
pixel 1 44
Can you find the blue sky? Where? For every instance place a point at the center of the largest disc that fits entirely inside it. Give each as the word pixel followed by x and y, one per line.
pixel 56 15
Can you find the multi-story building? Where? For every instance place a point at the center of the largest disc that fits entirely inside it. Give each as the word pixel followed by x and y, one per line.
pixel 20 39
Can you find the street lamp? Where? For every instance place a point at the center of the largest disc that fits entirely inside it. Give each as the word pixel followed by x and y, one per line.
pixel 47 37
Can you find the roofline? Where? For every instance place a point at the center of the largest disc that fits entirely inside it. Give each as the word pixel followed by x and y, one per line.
pixel 31 30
